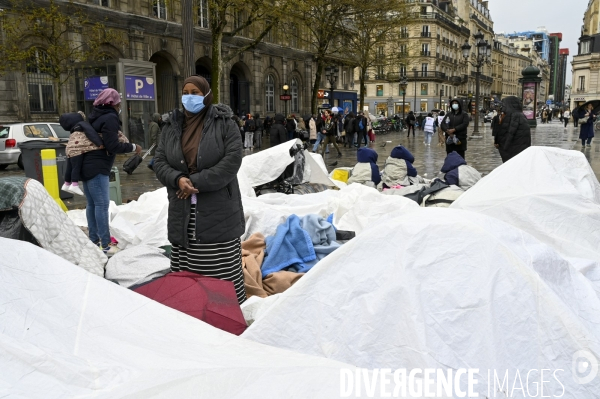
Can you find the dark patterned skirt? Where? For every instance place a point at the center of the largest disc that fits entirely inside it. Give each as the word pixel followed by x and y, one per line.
pixel 222 260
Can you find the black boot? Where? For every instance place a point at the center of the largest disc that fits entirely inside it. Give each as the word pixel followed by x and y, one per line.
pixel 339 155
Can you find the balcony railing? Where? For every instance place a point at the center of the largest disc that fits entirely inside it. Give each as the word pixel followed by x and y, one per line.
pixel 425 34
pixel 426 75
pixel 580 90
pixel 404 35
pixel 425 53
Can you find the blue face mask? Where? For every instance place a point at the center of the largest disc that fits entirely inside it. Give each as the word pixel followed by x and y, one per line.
pixel 193 103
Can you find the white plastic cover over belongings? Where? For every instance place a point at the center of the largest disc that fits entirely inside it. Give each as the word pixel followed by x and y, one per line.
pixel 67 333
pixel 267 165
pixel 442 288
pixel 550 193
pixel 137 265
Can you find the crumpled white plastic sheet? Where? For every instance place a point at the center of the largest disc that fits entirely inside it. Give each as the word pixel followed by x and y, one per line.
pixel 552 194
pixel 442 288
pixel 68 333
pixel 137 265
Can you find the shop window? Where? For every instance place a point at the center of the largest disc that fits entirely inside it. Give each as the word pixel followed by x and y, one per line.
pixel 379 89
pixel 160 9
pixel 40 86
pixel 294 93
pixel 424 87
pixel 270 93
pixel 203 13
pixel 423 106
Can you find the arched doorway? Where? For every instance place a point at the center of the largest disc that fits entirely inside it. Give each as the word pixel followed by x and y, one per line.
pixel 239 89
pixel 203 68
pixel 167 84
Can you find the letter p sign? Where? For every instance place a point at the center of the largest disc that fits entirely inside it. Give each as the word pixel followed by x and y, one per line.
pixel 139 85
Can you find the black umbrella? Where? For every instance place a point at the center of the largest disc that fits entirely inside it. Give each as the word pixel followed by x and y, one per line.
pixel 595 104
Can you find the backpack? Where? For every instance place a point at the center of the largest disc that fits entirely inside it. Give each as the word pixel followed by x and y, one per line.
pixel 361 126
pixel 252 125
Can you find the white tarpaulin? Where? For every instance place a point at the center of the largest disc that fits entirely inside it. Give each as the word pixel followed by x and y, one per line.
pixel 443 288
pixel 552 194
pixel 144 222
pixel 66 333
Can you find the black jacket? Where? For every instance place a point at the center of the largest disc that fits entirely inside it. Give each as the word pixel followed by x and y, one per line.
pixel 104 120
pixel 349 125
pixel 278 134
pixel 514 134
pixel 459 121
pixel 357 120
pixel 219 212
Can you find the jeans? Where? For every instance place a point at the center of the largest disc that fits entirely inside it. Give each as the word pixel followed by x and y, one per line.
pixel 258 138
pixel 428 136
pixel 362 136
pixel 320 138
pixel 249 142
pixel 332 140
pixel 566 120
pixel 98 199
pixel 589 141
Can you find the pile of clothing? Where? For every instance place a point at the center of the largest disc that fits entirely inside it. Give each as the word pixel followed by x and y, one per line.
pixel 273 264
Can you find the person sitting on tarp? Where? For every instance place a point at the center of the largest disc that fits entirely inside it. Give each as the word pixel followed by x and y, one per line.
pixel 398 169
pixel 366 170
pixel 458 173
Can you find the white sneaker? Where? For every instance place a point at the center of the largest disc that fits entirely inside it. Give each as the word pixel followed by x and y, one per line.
pixel 65 187
pixel 76 190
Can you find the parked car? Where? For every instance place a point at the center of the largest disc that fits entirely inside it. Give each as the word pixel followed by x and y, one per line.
pixel 13 135
pixel 488 117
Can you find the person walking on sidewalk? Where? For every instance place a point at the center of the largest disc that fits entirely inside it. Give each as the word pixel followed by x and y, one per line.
pixel 575 115
pixel 330 131
pixel 428 127
pixel 410 122
pixel 566 116
pixel 513 134
pixel 587 128
pixel 249 129
pixel 259 131
pixel 455 126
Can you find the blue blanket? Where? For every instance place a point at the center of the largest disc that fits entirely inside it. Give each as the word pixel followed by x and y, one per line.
pixel 322 235
pixel 291 245
pixel 298 244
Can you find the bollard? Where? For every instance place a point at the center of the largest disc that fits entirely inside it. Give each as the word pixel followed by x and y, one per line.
pixel 50 172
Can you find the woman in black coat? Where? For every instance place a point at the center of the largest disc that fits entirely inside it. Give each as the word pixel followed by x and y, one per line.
pixel 513 133
pixel 587 129
pixel 198 159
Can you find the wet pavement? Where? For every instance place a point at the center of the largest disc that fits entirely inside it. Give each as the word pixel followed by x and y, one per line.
pixel 480 154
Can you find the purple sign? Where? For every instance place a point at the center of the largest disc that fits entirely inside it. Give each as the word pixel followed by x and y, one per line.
pixel 139 88
pixel 93 85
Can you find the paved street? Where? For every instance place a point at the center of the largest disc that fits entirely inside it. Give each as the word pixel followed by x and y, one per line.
pixel 481 154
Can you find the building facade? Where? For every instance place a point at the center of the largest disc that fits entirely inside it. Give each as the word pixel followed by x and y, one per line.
pixel 252 82
pixel 586 64
pixel 436 71
pixel 507 67
pixel 553 61
pixel 563 64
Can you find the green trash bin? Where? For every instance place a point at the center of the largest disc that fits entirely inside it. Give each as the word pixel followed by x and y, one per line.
pixel 114 186
pixel 32 160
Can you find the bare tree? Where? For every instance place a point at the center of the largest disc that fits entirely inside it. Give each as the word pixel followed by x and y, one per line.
pixel 229 18
pixel 48 39
pixel 377 39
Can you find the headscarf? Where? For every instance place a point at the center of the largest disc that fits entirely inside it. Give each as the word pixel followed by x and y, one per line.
pixel 193 124
pixel 108 97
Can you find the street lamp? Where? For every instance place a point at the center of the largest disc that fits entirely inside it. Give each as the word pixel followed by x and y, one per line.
pixel 484 53
pixel 332 73
pixel 416 75
pixel 403 86
pixel 285 97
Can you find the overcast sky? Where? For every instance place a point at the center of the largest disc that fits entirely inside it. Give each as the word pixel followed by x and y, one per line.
pixel 556 15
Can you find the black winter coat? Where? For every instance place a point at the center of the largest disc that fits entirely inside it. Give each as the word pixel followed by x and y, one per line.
pixel 514 133
pixel 219 212
pixel 459 121
pixel 278 134
pixel 104 120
